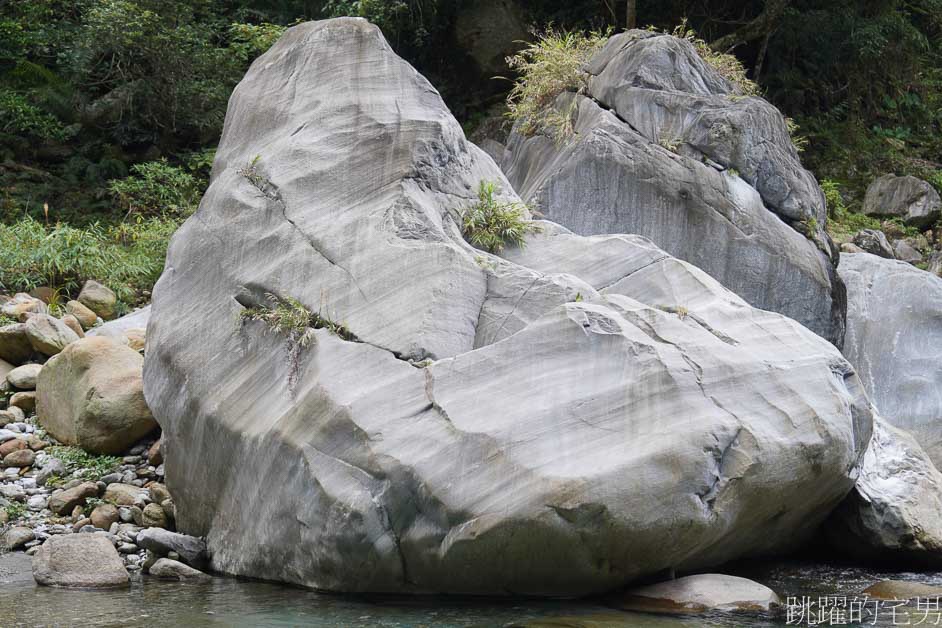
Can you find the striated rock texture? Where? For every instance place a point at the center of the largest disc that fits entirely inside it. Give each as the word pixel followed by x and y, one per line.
pixel 665 147
pixel 892 515
pixel 562 420
pixel 894 339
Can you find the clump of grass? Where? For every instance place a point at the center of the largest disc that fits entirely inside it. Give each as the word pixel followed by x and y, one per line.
pixel 727 65
pixel 7 320
pixel 82 464
pixel 492 224
pixel 553 64
pixel 290 318
pixel 670 143
pixel 15 510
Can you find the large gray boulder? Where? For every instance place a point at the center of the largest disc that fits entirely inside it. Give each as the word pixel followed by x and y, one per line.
pixel 664 147
pixel 909 198
pixel 892 515
pixel 894 339
pixel 482 424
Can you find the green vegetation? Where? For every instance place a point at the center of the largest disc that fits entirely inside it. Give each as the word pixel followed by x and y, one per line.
pixel 82 464
pixel 726 65
pixel 290 318
pixel 492 224
pixel 547 68
pixel 127 256
pixel 15 510
pixel 157 188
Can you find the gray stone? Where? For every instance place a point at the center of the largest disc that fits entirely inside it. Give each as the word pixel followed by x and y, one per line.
pixel 191 550
pixel 894 340
pixel 874 242
pixel 14 343
pixel 443 450
pixel 24 377
pixel 699 594
pixel 618 177
pixel 87 561
pixel 892 515
pixel 98 298
pixel 82 314
pixel 48 335
pixel 121 327
pixel 173 570
pixel 22 306
pixel 91 395
pixel 905 252
pixel 51 467
pixel 16 537
pixel 909 198
pixel 63 502
pixel 934 265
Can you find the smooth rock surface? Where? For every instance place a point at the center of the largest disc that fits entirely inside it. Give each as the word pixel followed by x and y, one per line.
pixel 894 339
pixel 497 425
pixel 48 335
pixel 174 570
pixel 91 395
pixel 120 327
pixel 190 549
pixel 83 314
pixel 904 590
pixel 892 515
pixel 24 377
pixel 87 561
pixel 98 298
pixel 723 199
pixel 698 594
pixel 909 198
pixel 15 347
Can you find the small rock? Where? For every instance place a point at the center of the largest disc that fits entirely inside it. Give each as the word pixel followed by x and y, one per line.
pixel 104 516
pixel 85 316
pixel 125 515
pixel 153 517
pixel 20 458
pixel 24 377
pixel 10 446
pixel 25 400
pixel 875 242
pixel 127 548
pixel 37 502
pixel 81 523
pixel 137 515
pixel 22 305
pixel 51 467
pixel 154 454
pixel 72 323
pixel 17 537
pixel 35 443
pixel 79 560
pixel 699 594
pixel 173 570
pixel 14 344
pixel 192 550
pixel 904 251
pixel 65 501
pixel 158 492
pixel 126 495
pixel 99 299
pixel 49 335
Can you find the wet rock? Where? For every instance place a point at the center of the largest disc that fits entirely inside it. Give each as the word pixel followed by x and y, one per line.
pixel 87 561
pixel 494 442
pixel 49 335
pixel 909 198
pixel 99 299
pixel 173 570
pixel 902 590
pixel 65 501
pixel 91 395
pixel 874 242
pixel 699 594
pixel 24 377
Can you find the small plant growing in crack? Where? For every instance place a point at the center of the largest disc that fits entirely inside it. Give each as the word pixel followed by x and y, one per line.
pixel 679 310
pixel 492 224
pixel 251 173
pixel 670 142
pixel 290 318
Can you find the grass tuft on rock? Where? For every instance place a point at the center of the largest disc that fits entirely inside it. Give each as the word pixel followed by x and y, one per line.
pixel 492 224
pixel 290 318
pixel 548 67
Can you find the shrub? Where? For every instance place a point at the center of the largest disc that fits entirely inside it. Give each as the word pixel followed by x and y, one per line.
pixel 128 257
pixel 547 68
pixel 492 224
pixel 156 188
pixel 19 117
